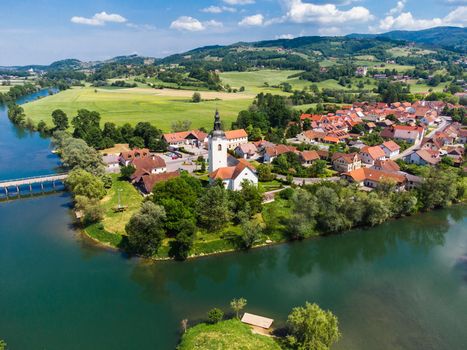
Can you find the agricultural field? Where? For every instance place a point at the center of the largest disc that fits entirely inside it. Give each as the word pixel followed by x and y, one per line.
pixel 159 107
pixel 254 81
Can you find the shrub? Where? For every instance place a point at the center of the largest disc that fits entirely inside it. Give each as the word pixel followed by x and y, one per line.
pixel 215 315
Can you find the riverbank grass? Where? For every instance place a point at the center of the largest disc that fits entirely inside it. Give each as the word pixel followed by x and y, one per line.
pixel 130 198
pixel 226 335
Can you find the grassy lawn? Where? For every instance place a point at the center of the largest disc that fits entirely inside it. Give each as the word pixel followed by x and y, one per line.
pixel 129 196
pixel 253 81
pixel 225 335
pixel 134 105
pixel 270 185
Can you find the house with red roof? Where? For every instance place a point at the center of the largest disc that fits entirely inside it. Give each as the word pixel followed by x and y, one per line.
pixel 193 137
pixel 345 162
pixel 390 148
pixel 423 157
pixel 235 138
pixel 410 134
pixel 371 178
pixel 308 157
pixel 147 182
pixel 272 152
pixel 371 154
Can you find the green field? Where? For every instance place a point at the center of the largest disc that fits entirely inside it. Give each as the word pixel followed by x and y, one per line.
pixel 129 197
pixel 225 335
pixel 135 105
pixel 253 81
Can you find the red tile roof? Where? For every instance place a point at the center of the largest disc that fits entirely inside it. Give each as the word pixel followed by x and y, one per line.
pixel 235 134
pixel 391 146
pixel 150 180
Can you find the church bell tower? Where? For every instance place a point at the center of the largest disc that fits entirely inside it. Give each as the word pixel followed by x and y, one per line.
pixel 217 146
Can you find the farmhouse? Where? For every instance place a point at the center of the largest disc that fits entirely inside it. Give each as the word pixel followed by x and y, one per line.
pixel 343 162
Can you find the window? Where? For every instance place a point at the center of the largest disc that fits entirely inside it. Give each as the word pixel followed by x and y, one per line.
pixel 219 147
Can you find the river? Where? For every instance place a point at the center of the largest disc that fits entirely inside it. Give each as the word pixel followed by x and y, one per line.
pixel 401 285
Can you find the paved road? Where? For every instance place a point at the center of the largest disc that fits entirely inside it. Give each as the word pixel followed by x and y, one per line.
pixel 416 146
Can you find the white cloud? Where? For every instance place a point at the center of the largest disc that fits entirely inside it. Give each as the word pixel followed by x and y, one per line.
pixel 239 2
pixel 398 8
pixel 187 23
pixel 99 19
pixel 285 36
pixel 303 12
pixel 457 17
pixel 255 20
pixel 218 9
pixel 190 24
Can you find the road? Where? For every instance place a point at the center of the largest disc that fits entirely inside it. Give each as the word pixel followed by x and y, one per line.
pixel 416 146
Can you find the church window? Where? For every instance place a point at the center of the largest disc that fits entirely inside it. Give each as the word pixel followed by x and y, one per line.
pixel 219 147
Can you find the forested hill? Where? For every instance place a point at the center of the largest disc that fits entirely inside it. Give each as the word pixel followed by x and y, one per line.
pixel 298 53
pixel 450 38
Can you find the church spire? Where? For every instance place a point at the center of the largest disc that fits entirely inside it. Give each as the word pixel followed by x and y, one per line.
pixel 217 131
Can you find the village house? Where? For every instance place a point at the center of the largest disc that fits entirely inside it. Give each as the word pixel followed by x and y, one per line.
pixel 193 137
pixel 343 162
pixel 247 151
pixel 390 148
pixel 311 136
pixel 272 152
pixel 371 178
pixel 308 157
pixel 386 165
pixel 127 157
pixel 231 176
pixel 112 163
pixel 236 138
pixel 423 157
pixel 147 165
pixel 147 182
pixel 410 134
pixel 369 154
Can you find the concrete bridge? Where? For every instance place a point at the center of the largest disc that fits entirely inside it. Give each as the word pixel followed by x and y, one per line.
pixel 6 186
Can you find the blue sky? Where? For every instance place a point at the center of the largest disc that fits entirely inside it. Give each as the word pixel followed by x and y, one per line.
pixel 42 31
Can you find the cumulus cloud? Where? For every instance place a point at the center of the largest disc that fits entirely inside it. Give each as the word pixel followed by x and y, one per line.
pixel 191 24
pixel 252 21
pixel 99 19
pixel 457 17
pixel 304 12
pixel 398 8
pixel 218 9
pixel 239 2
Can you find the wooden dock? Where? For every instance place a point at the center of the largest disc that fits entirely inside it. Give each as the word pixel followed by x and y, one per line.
pixel 7 185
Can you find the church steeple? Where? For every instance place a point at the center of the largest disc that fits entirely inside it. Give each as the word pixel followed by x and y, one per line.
pixel 217 131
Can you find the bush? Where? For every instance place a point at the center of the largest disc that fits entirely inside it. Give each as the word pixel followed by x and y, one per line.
pixel 215 315
pixel 286 193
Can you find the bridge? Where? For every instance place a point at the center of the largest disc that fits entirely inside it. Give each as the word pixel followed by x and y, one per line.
pixel 29 182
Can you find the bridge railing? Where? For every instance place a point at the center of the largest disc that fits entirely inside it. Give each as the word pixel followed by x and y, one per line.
pixel 58 176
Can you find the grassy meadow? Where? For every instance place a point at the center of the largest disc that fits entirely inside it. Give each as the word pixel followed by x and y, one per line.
pixel 139 104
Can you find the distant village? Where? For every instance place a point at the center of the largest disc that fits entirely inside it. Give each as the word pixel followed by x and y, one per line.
pixel 414 133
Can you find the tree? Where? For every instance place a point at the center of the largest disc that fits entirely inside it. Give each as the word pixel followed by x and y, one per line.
pixel 90 207
pixel 251 232
pixel 264 172
pixel 238 305
pixel 302 222
pixel 196 98
pixel 146 229
pixel 127 172
pixel 439 189
pixel 86 124
pixel 184 324
pixel 75 153
pixel 60 119
pixel 311 328
pixel 215 315
pixel 214 208
pixel 83 183
pixel 181 125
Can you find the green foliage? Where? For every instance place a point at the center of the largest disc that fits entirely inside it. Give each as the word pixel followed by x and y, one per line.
pixel 251 232
pixel 264 172
pixel 146 229
pixel 83 183
pixel 238 305
pixel 90 207
pixel 439 189
pixel 311 328
pixel 196 98
pixel 127 172
pixel 16 114
pixel 3 345
pixel 304 207
pixel 60 119
pixel 215 315
pixel 214 208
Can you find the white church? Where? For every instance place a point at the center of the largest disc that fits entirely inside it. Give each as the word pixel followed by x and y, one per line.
pixel 233 174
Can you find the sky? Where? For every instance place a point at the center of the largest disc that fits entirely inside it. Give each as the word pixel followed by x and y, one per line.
pixel 43 31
